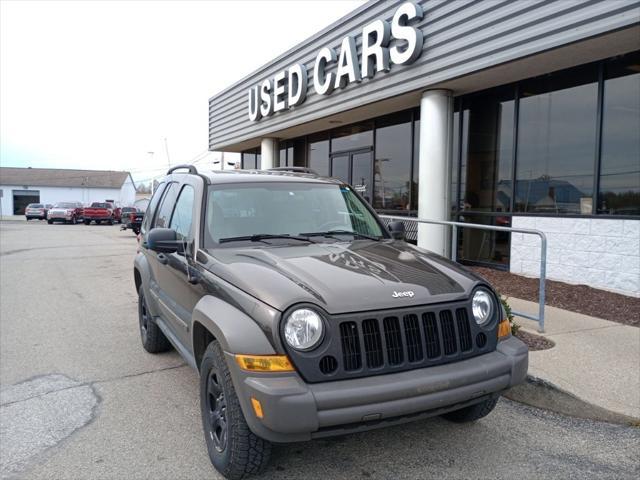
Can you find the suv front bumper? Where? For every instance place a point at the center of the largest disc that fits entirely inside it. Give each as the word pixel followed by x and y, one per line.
pixel 297 411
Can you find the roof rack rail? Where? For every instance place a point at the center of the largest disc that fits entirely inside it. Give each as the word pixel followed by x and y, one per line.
pixel 192 169
pixel 293 169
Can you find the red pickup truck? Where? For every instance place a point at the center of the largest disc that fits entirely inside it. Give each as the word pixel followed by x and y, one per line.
pixel 102 212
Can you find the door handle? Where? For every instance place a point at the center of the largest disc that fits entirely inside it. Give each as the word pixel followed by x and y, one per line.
pixel 163 259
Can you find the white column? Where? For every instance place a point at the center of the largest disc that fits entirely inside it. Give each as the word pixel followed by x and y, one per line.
pixel 269 151
pixel 436 125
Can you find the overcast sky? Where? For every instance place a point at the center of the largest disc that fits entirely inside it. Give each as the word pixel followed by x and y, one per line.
pixel 98 85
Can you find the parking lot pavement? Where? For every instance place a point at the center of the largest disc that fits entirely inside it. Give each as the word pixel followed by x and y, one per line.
pixel 72 371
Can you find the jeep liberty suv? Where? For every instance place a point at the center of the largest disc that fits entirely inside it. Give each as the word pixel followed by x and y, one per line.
pixel 305 317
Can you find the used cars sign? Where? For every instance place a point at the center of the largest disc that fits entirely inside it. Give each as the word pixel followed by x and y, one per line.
pixel 288 88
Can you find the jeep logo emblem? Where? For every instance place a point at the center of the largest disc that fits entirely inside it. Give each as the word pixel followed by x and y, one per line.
pixel 408 293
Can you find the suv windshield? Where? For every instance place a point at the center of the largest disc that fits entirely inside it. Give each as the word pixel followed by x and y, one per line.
pixel 64 205
pixel 100 205
pixel 35 205
pixel 261 211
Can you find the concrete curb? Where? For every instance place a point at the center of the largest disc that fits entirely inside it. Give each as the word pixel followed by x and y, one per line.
pixel 540 393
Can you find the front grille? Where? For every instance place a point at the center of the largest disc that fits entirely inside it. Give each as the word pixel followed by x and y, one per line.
pixel 374 343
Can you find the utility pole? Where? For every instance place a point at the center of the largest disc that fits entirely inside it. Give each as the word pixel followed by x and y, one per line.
pixel 166 149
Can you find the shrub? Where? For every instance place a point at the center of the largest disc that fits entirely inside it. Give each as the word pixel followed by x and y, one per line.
pixel 507 308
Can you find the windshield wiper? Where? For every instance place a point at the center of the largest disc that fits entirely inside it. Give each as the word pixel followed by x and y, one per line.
pixel 332 233
pixel 259 237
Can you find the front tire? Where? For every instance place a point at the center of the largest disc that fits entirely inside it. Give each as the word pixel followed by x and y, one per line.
pixel 472 412
pixel 234 450
pixel 87 222
pixel 153 340
pixel 50 222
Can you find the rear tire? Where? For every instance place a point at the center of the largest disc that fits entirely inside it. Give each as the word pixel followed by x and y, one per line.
pixel 153 340
pixel 472 412
pixel 50 222
pixel 87 222
pixel 234 450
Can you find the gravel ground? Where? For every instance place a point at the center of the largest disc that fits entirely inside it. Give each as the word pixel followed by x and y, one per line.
pixel 576 298
pixel 534 342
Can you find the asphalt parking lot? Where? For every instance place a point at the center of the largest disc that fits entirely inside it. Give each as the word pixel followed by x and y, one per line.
pixel 79 398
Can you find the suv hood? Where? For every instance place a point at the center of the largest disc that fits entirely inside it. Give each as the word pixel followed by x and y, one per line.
pixel 343 277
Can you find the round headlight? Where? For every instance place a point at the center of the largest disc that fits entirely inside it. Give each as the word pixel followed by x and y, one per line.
pixel 303 329
pixel 482 306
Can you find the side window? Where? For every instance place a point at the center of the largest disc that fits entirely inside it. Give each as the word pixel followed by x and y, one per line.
pixel 151 208
pixel 166 207
pixel 182 217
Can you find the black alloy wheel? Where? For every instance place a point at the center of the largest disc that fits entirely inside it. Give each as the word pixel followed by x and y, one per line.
pixel 217 411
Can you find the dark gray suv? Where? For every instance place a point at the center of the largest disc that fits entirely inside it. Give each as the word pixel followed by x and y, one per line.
pixel 305 317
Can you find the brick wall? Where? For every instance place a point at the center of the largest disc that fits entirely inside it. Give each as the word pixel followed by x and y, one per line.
pixel 602 253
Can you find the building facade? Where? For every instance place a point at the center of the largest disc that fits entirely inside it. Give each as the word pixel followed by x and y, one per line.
pixel 22 186
pixel 523 114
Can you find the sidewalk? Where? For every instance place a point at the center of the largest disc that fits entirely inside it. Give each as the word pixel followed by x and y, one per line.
pixel 594 361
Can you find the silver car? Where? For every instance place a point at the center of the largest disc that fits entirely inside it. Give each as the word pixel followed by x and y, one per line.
pixel 66 212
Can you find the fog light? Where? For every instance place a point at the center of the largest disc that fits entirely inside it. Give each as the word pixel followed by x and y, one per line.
pixel 504 329
pixel 257 407
pixel 264 363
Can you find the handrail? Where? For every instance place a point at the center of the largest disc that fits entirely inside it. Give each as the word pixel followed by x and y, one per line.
pixel 528 231
pixel 192 169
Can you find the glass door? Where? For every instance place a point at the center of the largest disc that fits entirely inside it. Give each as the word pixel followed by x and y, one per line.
pixel 356 169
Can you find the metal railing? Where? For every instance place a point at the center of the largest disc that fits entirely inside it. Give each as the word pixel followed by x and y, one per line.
pixel 454 249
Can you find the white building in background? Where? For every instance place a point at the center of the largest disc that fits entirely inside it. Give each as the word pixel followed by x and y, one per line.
pixel 21 186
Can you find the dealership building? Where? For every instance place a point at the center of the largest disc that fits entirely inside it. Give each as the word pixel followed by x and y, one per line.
pixel 508 113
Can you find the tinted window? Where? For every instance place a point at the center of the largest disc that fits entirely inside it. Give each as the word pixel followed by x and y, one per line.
pixel 318 153
pixel 182 217
pixel 166 207
pixel 35 205
pixel 488 123
pixel 556 142
pixel 352 137
pixel 392 170
pixel 241 210
pixel 153 203
pixel 620 161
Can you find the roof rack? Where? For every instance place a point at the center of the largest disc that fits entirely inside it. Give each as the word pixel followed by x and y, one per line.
pixel 192 169
pixel 293 169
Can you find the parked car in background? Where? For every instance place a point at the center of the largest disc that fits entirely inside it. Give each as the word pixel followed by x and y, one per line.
pixel 35 210
pixel 102 212
pixel 132 218
pixel 65 212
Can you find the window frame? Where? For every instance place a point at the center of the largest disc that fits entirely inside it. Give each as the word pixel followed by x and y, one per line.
pixel 192 233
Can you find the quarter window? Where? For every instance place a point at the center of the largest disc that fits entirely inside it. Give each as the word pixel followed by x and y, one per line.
pixel 182 217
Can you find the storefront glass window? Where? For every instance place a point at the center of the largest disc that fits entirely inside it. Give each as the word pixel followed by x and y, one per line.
pixel 318 153
pixel 248 160
pixel 488 148
pixel 556 143
pixel 416 161
pixel 620 160
pixel 352 137
pixel 392 168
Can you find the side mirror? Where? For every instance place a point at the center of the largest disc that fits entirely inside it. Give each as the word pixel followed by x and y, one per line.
pixel 164 240
pixel 397 230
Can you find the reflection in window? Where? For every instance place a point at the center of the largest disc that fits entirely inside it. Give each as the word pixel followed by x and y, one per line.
pixel 183 213
pixel 620 161
pixel 416 160
pixel 484 246
pixel 351 137
pixel 488 148
pixel 556 143
pixel 249 160
pixel 318 153
pixel 392 169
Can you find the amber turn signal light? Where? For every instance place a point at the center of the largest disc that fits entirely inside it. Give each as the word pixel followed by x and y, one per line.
pixel 264 363
pixel 257 407
pixel 504 329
